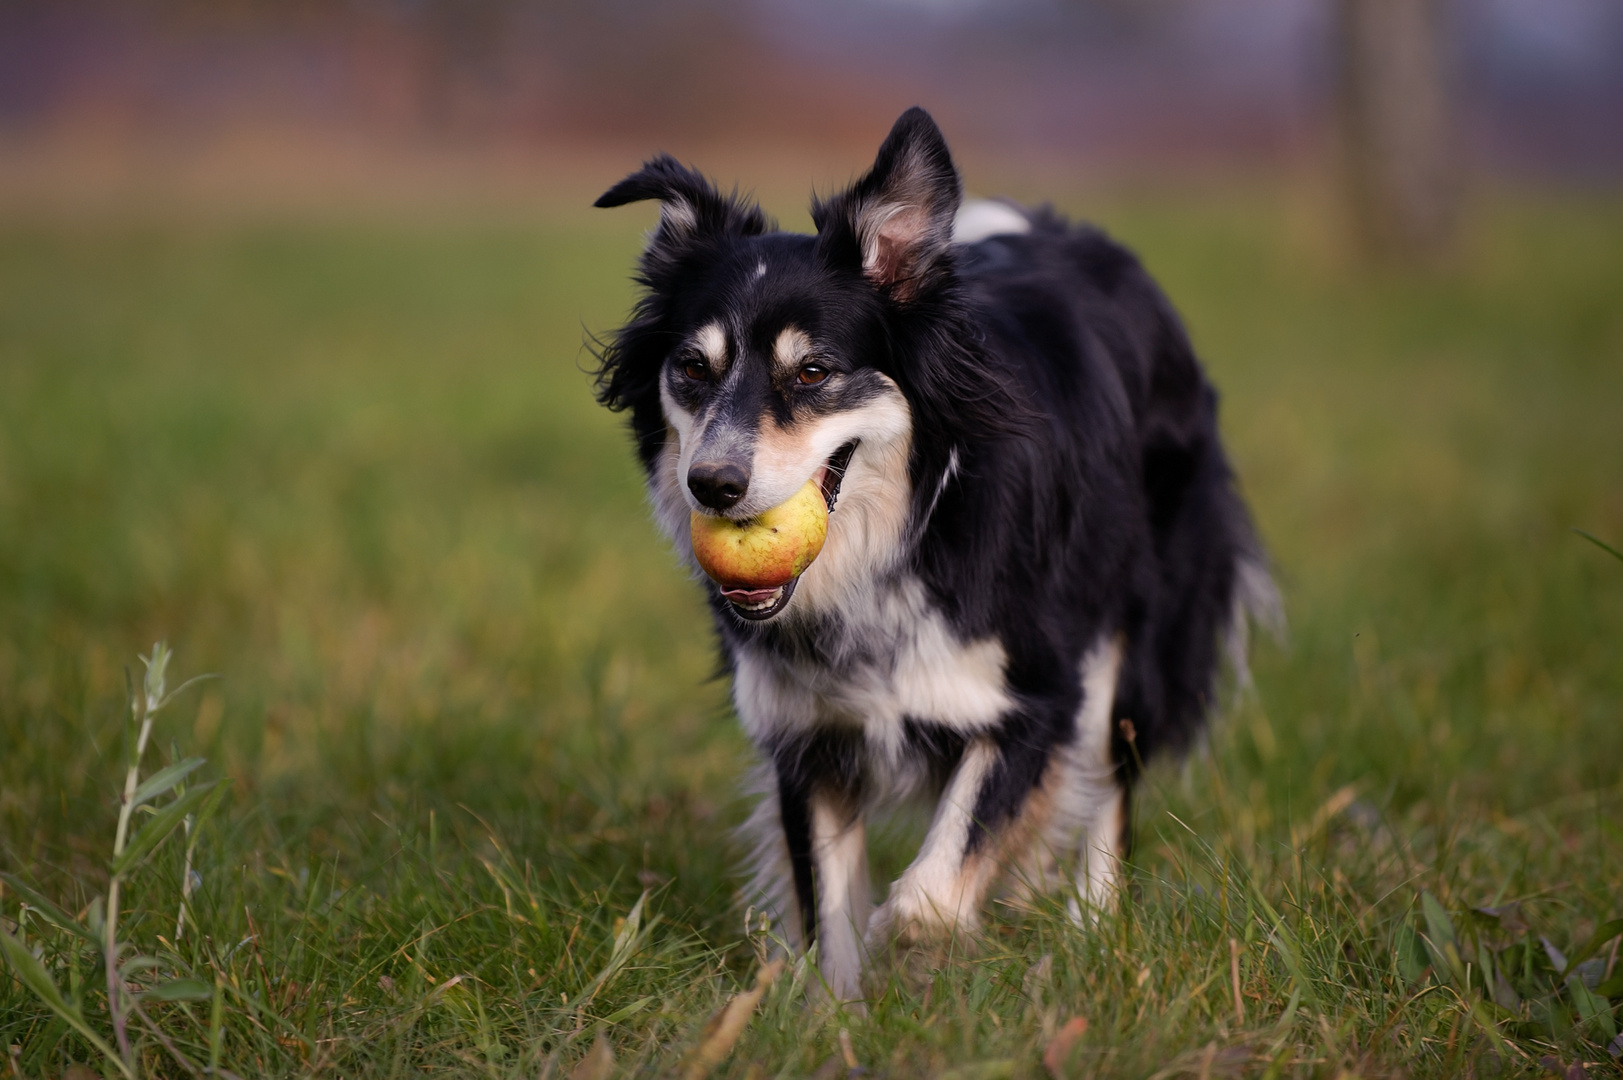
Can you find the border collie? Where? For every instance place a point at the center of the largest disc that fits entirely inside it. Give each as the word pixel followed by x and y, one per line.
pixel 1036 549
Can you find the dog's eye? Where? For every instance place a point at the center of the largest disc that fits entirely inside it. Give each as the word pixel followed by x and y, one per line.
pixel 696 369
pixel 812 374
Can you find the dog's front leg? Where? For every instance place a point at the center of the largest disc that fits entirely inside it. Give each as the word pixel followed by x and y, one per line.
pixel 941 892
pixel 840 855
pixel 828 857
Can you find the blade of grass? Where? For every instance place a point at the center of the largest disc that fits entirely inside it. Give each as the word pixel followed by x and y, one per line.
pixel 1598 542
pixel 164 779
pixel 49 911
pixel 33 975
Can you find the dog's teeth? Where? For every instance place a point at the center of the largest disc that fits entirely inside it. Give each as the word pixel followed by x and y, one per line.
pixel 764 605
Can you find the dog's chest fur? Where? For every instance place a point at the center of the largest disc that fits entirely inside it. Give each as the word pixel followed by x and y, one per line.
pixel 865 651
pixel 890 658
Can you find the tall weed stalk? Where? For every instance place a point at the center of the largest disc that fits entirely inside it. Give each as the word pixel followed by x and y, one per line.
pixel 168 803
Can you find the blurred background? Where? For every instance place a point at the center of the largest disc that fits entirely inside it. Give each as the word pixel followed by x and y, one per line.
pixel 247 102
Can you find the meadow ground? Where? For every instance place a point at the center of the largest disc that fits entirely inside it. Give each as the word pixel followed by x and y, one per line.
pixel 480 788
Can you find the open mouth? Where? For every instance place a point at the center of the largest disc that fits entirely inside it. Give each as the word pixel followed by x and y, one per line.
pixel 758 605
pixel 834 473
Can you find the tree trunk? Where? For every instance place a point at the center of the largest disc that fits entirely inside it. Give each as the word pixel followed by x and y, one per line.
pixel 1401 151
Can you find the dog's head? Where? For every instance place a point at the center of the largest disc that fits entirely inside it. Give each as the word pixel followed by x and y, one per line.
pixel 757 360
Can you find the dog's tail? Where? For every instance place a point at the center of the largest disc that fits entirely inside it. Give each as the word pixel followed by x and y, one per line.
pixel 1257 601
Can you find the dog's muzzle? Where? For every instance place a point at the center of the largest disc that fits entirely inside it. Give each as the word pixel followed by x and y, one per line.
pixel 758 605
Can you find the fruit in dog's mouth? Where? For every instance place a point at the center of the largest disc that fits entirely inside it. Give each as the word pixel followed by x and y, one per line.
pixel 753 558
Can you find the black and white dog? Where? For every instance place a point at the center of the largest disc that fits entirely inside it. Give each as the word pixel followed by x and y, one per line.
pixel 1037 550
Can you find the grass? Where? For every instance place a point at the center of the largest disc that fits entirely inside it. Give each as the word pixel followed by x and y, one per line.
pixel 480 783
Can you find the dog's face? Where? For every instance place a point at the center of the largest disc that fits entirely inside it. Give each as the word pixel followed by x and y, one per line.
pixel 774 379
pixel 760 360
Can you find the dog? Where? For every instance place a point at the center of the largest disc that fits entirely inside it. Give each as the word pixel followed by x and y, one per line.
pixel 1035 550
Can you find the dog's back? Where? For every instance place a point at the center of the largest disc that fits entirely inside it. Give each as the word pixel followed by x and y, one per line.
pixel 1125 430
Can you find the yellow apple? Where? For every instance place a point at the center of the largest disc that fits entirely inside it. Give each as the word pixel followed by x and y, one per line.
pixel 765 551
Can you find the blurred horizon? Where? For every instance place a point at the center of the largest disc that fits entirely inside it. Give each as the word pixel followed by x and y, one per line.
pixel 370 100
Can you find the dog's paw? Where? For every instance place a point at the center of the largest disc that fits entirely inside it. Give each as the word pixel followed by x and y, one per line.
pixel 910 919
pixel 896 924
pixel 911 943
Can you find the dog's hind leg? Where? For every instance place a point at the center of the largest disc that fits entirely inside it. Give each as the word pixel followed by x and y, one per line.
pixel 1081 806
pixel 1097 786
pixel 1104 847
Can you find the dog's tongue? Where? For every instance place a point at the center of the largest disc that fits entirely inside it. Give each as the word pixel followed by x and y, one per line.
pixel 750 596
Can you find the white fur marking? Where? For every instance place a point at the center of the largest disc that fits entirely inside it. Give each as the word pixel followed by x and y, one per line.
pixel 1100 869
pixel 840 853
pixel 866 530
pixel 760 269
pixel 666 489
pixel 978 219
pixel 677 216
pixel 890 657
pixel 711 340
pixel 947 476
pixel 665 492
pixel 937 676
pixel 790 349
pixel 1094 778
pixel 1256 599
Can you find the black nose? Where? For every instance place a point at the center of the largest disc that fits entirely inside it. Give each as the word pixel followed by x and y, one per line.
pixel 718 484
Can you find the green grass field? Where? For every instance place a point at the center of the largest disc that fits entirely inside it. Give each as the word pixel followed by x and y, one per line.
pixel 465 709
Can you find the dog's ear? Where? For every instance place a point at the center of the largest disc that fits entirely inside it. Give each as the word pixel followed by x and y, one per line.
pixel 691 207
pixel 896 222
